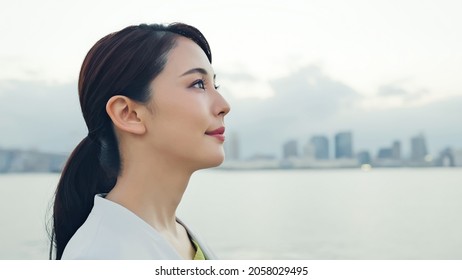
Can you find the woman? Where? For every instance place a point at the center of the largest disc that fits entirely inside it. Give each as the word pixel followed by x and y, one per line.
pixel 154 116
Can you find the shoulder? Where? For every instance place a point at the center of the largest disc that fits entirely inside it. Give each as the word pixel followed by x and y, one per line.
pixel 113 232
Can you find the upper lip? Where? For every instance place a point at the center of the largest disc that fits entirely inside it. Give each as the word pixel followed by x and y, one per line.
pixel 219 130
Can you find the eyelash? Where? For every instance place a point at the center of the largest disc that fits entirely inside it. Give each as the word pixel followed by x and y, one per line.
pixel 204 84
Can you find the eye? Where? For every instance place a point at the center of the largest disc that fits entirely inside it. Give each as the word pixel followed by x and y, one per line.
pixel 199 84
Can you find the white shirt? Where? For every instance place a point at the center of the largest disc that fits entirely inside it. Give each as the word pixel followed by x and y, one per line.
pixel 111 232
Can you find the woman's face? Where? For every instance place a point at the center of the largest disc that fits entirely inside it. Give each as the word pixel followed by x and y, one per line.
pixel 187 111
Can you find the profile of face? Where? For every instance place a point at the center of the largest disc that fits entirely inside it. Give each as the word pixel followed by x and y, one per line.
pixel 186 111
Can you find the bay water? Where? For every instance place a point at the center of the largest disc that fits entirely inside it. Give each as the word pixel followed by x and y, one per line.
pixel 386 214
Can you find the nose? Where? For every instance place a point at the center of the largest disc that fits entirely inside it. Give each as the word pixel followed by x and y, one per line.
pixel 222 106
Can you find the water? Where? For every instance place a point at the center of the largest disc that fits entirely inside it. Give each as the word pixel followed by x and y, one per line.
pixel 283 214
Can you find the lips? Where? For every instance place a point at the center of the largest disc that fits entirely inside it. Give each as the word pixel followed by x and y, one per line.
pixel 220 130
pixel 217 133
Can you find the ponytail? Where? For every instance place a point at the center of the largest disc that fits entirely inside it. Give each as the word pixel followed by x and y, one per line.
pixel 82 178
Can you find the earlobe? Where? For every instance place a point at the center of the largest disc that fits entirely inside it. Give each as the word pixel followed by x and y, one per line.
pixel 124 114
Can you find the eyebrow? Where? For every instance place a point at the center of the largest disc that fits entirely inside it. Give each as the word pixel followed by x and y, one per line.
pixel 197 70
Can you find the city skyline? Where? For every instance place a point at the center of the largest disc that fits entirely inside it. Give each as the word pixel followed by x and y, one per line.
pixel 318 146
pixel 313 154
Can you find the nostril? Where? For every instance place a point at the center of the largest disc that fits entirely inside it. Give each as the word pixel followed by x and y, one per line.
pixel 224 111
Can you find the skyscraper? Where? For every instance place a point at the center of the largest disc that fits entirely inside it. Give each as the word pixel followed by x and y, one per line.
pixel 396 150
pixel 393 152
pixel 321 146
pixel 290 149
pixel 385 153
pixel 309 151
pixel 418 148
pixel 364 157
pixel 232 147
pixel 344 145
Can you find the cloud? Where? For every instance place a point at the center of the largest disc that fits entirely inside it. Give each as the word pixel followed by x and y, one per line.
pixel 310 93
pixel 392 90
pixel 439 121
pixel 47 116
pixel 237 76
pixel 40 115
pixel 302 104
pixel 309 102
pixel 398 94
pixel 243 85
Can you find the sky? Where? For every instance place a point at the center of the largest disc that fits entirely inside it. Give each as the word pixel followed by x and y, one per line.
pixel 385 70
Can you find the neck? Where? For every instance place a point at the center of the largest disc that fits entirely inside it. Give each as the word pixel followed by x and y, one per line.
pixel 152 190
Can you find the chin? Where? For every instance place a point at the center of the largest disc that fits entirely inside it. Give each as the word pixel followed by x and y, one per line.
pixel 219 162
pixel 213 161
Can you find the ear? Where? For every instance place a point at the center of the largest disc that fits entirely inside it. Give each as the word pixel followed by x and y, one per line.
pixel 124 113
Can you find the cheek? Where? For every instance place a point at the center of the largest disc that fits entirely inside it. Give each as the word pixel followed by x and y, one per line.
pixel 182 121
pixel 190 113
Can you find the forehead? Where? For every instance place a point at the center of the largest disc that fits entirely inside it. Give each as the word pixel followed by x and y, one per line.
pixel 186 55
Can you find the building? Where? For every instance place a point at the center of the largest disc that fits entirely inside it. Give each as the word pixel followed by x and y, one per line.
pixel 321 147
pixel 392 153
pixel 396 150
pixel 446 158
pixel 457 157
pixel 364 157
pixel 418 148
pixel 6 157
pixel 30 161
pixel 290 149
pixel 232 147
pixel 450 157
pixel 389 156
pixel 309 151
pixel 343 145
pixel 385 153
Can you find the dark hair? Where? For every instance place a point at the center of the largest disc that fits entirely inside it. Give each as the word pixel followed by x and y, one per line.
pixel 124 62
